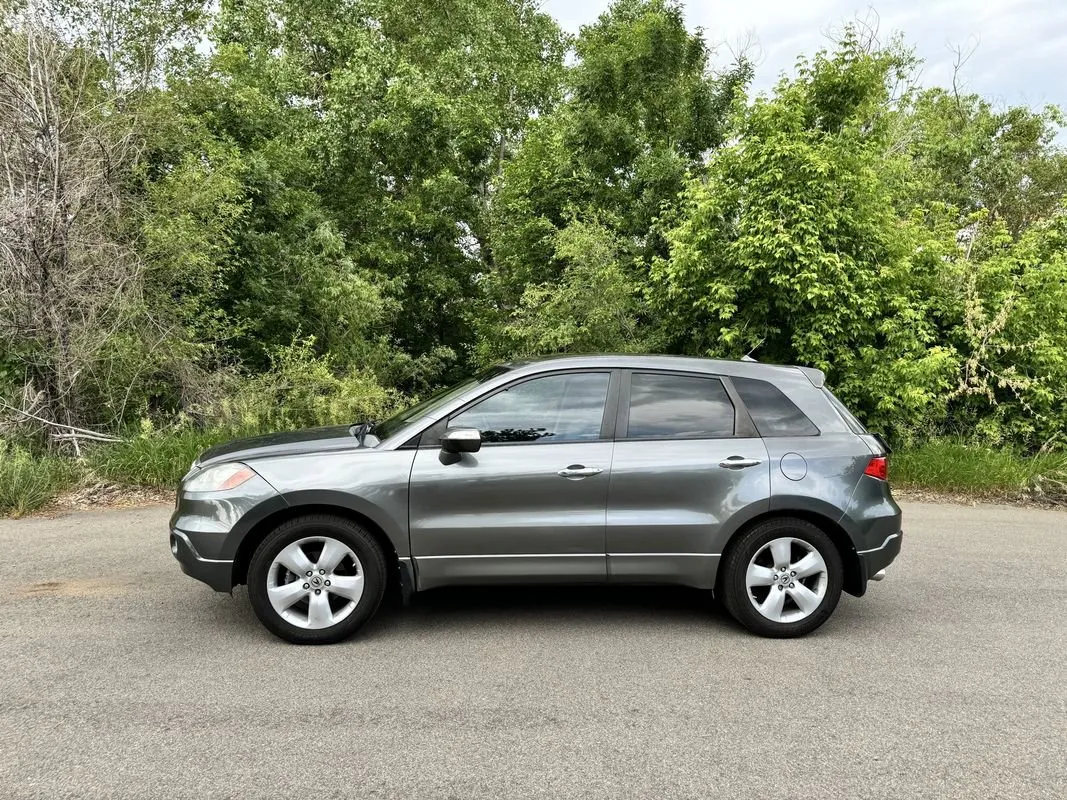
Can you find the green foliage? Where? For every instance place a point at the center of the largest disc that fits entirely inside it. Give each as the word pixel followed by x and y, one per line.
pixel 643 108
pixel 27 481
pixel 975 469
pixel 592 308
pixel 301 390
pixel 154 458
pixel 366 135
pixel 304 390
pixel 1012 330
pixel 968 154
pixel 788 246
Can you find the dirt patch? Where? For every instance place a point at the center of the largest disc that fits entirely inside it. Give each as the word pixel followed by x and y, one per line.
pixel 104 496
pixel 88 587
pixel 1022 499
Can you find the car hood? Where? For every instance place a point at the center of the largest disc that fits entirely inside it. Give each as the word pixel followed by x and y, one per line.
pixel 286 443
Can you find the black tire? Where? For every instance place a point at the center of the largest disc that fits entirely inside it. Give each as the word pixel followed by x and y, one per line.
pixel 343 530
pixel 734 590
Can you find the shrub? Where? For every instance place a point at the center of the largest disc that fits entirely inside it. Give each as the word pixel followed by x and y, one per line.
pixel 28 482
pixel 154 458
pixel 303 390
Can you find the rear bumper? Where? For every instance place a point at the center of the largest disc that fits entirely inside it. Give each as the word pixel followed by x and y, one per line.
pixel 878 558
pixel 216 573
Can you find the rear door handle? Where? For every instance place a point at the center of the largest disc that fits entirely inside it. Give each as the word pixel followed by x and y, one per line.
pixel 576 471
pixel 737 462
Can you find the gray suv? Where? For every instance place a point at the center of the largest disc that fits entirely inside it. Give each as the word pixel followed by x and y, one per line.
pixel 751 480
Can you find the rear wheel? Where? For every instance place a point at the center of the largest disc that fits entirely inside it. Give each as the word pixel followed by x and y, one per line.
pixel 316 579
pixel 782 578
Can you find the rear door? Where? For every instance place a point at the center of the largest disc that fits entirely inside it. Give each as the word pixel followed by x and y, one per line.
pixel 531 504
pixel 687 458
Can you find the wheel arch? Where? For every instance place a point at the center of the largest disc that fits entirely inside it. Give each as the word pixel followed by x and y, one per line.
pixel 854 581
pixel 258 532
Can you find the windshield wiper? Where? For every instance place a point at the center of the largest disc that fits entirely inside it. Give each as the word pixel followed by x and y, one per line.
pixel 361 429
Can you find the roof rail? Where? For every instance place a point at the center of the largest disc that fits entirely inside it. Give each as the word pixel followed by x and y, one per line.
pixel 816 376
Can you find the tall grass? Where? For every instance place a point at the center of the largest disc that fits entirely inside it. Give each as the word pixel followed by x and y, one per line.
pixel 980 470
pixel 27 482
pixel 157 459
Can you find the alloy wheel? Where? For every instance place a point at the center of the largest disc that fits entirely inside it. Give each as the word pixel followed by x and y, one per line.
pixel 315 582
pixel 786 579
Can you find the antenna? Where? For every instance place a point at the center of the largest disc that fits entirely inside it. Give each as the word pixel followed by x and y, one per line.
pixel 748 356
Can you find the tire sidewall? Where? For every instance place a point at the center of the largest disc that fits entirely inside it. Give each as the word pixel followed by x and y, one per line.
pixel 352 535
pixel 736 596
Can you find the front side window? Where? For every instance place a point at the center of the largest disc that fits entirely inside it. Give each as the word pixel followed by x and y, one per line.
pixel 556 408
pixel 665 406
pixel 384 430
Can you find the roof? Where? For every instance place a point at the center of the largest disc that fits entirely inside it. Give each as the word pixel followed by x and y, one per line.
pixel 753 369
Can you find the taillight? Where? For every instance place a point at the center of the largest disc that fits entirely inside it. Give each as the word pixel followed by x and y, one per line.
pixel 878 467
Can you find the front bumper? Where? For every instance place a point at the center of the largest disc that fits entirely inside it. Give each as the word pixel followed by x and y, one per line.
pixel 207 529
pixel 874 560
pixel 216 573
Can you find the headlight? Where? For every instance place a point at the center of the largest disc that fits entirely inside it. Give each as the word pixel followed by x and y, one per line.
pixel 220 478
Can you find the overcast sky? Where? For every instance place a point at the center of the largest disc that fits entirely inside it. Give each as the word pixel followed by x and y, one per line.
pixel 1021 55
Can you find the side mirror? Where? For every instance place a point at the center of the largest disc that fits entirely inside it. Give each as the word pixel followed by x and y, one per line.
pixel 461 440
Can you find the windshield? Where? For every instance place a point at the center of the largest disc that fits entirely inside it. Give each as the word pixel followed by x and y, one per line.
pixel 388 428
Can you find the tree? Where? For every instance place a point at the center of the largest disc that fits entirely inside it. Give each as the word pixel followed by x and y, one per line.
pixel 368 133
pixel 643 108
pixel 593 308
pixel 70 279
pixel 788 245
pixel 966 153
pixel 1011 328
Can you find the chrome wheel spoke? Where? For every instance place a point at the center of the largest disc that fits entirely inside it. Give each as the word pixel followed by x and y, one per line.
pixel 771 607
pixel 811 564
pixel 294 559
pixel 319 613
pixel 333 553
pixel 784 580
pixel 347 586
pixel 781 552
pixel 759 576
pixel 282 597
pixel 804 597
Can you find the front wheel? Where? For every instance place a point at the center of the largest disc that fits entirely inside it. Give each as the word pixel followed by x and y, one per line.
pixel 316 579
pixel 783 578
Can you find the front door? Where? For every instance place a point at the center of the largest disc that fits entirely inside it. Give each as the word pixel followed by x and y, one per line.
pixel 685 462
pixel 531 504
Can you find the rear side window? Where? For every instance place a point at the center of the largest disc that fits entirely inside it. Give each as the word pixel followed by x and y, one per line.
pixel 846 415
pixel 773 412
pixel 665 406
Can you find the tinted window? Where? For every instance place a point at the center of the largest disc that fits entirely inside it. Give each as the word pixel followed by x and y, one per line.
pixel 773 412
pixel 677 405
pixel 850 419
pixel 384 430
pixel 556 408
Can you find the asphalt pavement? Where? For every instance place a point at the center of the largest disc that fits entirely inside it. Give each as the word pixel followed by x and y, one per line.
pixel 121 677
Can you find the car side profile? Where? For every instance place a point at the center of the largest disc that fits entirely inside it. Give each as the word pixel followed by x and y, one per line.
pixel 750 480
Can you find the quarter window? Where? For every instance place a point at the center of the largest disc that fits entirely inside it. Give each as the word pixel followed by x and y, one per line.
pixel 678 406
pixel 556 408
pixel 773 412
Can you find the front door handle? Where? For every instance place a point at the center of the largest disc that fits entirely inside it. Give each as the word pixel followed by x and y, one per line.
pixel 577 471
pixel 737 462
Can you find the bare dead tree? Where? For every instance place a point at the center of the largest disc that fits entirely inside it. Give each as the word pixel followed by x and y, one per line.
pixel 69 279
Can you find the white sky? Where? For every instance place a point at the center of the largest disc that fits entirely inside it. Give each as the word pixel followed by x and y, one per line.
pixel 1021 56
